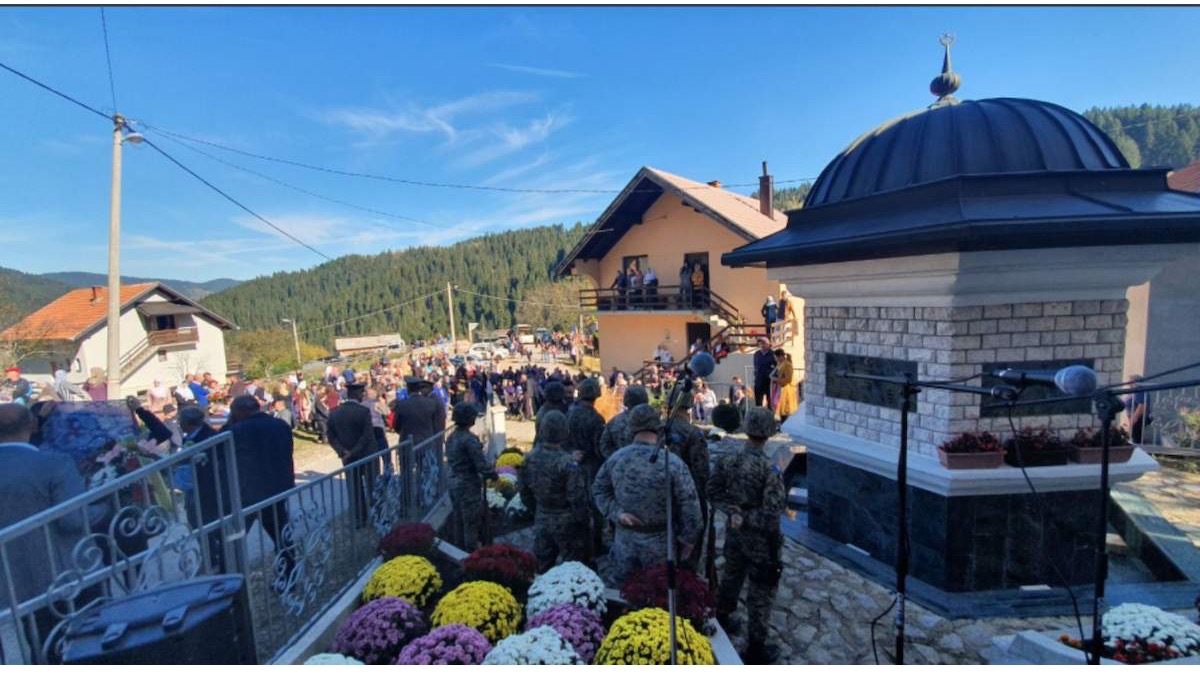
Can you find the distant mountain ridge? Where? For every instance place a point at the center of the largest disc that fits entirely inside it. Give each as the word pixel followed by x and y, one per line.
pixel 22 293
pixel 193 289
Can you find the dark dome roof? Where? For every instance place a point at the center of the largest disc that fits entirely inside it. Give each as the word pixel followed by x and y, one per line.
pixel 953 138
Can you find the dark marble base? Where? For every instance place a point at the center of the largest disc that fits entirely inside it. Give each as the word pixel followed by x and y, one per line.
pixel 957 544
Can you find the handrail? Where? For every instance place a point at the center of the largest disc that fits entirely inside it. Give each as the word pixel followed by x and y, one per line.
pixel 735 335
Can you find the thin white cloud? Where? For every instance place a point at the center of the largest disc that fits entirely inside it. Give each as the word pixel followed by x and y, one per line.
pixel 517 171
pixel 379 124
pixel 531 70
pixel 507 139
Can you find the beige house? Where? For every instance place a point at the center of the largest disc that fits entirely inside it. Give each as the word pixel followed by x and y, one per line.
pixel 662 222
pixel 164 336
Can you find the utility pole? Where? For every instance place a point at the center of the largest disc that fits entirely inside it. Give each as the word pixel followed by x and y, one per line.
pixel 296 342
pixel 450 310
pixel 113 319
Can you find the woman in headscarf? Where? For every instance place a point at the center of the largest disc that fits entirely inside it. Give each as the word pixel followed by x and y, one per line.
pixel 785 380
pixel 66 390
pixel 787 316
pixel 157 396
pixel 97 385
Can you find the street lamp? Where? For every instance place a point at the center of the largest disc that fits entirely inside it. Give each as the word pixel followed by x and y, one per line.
pixel 296 341
pixel 120 126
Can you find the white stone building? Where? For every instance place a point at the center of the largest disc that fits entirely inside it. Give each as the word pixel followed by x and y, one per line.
pixel 164 336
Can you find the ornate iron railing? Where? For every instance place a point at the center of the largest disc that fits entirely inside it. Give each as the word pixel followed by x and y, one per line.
pixel 1175 415
pixel 298 550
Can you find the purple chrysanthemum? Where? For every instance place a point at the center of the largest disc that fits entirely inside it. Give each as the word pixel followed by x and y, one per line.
pixel 452 645
pixel 377 631
pixel 510 470
pixel 578 625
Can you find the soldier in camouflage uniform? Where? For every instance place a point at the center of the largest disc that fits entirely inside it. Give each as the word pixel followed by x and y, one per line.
pixel 689 444
pixel 631 491
pixel 616 432
pixel 585 427
pixel 554 487
pixel 468 469
pixel 555 395
pixel 747 488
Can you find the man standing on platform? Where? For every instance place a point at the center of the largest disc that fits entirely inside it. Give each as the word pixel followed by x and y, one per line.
pixel 352 436
pixel 688 443
pixel 420 415
pixel 554 488
pixel 747 487
pixel 630 490
pixel 764 363
pixel 585 428
pixel 468 469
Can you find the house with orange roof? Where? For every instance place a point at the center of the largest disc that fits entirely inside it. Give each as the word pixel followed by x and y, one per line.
pixel 164 336
pixel 674 225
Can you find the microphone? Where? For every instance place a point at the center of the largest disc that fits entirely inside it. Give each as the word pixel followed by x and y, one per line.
pixel 701 364
pixel 1072 380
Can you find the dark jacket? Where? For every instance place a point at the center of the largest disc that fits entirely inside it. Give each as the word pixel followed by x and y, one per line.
pixel 209 474
pixel 764 362
pixel 419 417
pixel 264 457
pixel 350 431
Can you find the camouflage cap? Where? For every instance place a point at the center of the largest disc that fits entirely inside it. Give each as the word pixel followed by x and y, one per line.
pixel 552 427
pixel 643 418
pixel 464 414
pixel 589 390
pixel 555 391
pixel 635 395
pixel 760 423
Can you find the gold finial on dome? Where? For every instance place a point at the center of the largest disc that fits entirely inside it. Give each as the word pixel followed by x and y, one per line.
pixel 943 86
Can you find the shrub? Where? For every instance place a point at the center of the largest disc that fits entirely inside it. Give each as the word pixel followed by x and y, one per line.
pixel 647 587
pixel 571 582
pixel 1094 438
pixel 503 564
pixel 487 607
pixel 643 638
pixel 408 539
pixel 581 627
pixel 538 647
pixel 1035 440
pixel 727 418
pixel 377 631
pixel 972 442
pixel 452 645
pixel 407 577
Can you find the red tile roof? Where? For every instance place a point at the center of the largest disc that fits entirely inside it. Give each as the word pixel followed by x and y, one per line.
pixel 77 312
pixel 1186 179
pixel 740 210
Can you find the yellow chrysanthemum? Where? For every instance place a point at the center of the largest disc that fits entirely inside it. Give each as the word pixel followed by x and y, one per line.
pixel 487 607
pixel 514 459
pixel 643 638
pixel 408 577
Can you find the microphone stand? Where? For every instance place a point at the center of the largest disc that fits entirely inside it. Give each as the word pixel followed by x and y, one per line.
pixel 1107 405
pixel 910 387
pixel 679 394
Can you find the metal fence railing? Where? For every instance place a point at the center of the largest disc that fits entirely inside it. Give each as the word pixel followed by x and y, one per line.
pixel 131 534
pixel 298 550
pixel 1175 415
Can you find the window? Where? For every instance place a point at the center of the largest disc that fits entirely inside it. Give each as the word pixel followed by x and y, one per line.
pixel 164 322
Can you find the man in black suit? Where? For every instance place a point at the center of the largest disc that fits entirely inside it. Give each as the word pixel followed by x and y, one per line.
pixel 352 436
pixel 420 415
pixel 201 478
pixel 265 468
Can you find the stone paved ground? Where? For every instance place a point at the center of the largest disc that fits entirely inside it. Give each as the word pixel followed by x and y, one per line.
pixel 1176 495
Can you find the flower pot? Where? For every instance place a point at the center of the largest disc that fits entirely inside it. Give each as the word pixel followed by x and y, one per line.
pixel 1038 458
pixel 1094 455
pixel 970 460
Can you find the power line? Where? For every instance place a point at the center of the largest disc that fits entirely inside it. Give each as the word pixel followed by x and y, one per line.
pixel 378 311
pixel 235 202
pixel 112 87
pixel 424 183
pixel 515 300
pixel 310 193
pixel 54 91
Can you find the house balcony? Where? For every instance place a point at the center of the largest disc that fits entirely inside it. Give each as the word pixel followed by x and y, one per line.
pixel 662 299
pixel 173 336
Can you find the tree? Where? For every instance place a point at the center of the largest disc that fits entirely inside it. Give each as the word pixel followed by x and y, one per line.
pixel 554 305
pixel 788 199
pixel 268 352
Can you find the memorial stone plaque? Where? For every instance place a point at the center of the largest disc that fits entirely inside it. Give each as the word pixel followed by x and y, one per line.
pixel 883 394
pixel 1034 391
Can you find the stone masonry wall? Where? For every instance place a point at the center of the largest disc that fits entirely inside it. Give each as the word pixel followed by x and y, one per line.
pixel 952 342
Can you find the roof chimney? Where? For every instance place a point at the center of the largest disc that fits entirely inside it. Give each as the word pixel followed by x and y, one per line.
pixel 766 193
pixel 714 183
pixel 95 293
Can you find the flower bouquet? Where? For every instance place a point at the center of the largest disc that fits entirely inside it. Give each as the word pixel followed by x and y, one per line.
pixel 516 511
pixel 487 607
pixel 537 647
pixel 571 582
pixel 407 539
pixel 647 587
pixel 643 638
pixel 452 645
pixel 408 577
pixel 510 457
pixel 377 631
pixel 495 500
pixel 1137 633
pixel 505 484
pixel 503 564
pixel 122 457
pixel 582 627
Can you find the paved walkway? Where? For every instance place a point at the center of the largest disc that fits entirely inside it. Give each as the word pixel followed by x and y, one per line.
pixel 1176 495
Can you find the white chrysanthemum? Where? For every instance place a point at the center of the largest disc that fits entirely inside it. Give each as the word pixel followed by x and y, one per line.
pixel 507 478
pixel 541 646
pixel 332 660
pixel 571 582
pixel 516 507
pixel 1132 620
pixel 495 500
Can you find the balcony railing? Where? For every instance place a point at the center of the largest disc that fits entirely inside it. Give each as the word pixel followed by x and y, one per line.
pixel 173 336
pixel 658 299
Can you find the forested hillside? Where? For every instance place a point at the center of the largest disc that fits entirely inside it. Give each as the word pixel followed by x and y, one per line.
pixel 365 294
pixel 195 290
pixel 1152 135
pixel 22 293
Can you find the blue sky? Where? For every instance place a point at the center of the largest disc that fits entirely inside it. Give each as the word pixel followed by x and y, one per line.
pixel 520 97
